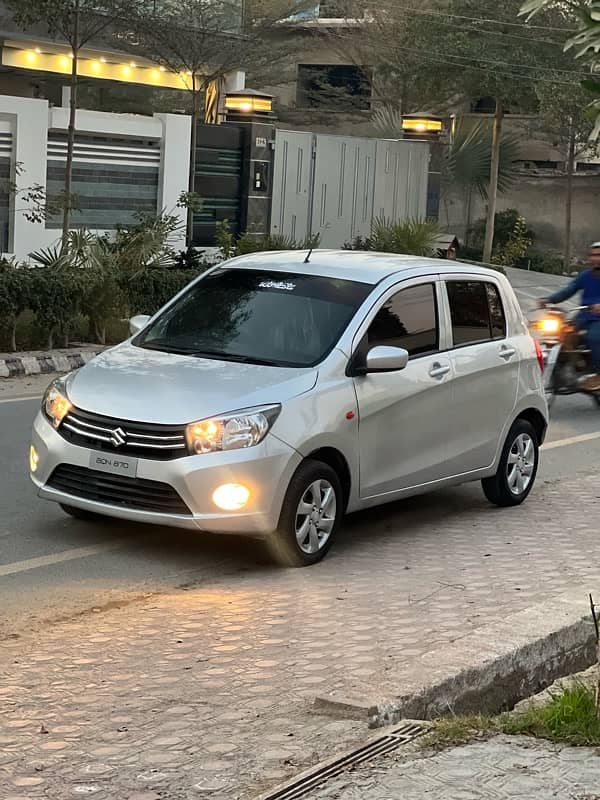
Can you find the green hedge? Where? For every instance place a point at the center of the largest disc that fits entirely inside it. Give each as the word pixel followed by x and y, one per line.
pixel 45 306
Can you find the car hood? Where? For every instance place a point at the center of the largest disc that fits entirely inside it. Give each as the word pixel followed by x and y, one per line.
pixel 130 383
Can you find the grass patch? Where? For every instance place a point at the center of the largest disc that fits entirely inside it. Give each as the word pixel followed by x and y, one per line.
pixel 569 717
pixel 455 731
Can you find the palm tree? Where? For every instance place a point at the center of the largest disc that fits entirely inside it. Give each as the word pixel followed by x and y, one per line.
pixel 466 164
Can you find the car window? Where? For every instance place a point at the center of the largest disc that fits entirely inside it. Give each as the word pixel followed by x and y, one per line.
pixel 408 320
pixel 497 317
pixel 254 316
pixel 476 312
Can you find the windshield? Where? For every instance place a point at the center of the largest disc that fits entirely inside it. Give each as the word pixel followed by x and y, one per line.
pixel 274 318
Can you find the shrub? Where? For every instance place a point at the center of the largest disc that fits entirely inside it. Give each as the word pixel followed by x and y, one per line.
pixel 55 298
pixel 14 298
pixel 416 237
pixel 150 289
pixel 550 263
pixel 504 226
pixel 508 254
pixel 248 242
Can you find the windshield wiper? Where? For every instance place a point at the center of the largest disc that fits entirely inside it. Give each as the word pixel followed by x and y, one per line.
pixel 165 347
pixel 233 357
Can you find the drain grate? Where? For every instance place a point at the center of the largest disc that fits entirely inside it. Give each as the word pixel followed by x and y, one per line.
pixel 377 747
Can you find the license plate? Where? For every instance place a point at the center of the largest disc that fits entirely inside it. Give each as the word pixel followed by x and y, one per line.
pixel 114 464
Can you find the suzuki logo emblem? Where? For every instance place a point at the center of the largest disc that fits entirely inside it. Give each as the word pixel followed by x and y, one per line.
pixel 118 437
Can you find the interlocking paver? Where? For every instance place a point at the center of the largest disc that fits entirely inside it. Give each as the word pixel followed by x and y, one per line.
pixel 208 691
pixel 500 769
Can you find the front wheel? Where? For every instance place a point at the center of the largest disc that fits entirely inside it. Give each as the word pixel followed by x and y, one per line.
pixel 517 469
pixel 310 516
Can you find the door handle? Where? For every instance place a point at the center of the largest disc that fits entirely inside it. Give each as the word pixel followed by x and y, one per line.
pixel 439 370
pixel 507 352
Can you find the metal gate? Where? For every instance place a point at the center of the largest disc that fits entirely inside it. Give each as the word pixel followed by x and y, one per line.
pixel 217 180
pixel 335 186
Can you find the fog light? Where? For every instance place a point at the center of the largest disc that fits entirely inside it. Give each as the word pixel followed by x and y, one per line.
pixel 231 496
pixel 34 459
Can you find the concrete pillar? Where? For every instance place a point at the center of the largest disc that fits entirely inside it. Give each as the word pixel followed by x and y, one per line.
pixel 174 167
pixel 28 119
pixel 258 155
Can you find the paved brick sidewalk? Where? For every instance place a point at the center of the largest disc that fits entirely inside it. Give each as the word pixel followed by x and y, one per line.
pixel 208 692
pixel 500 769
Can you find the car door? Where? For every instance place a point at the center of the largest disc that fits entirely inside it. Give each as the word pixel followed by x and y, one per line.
pixel 485 366
pixel 402 415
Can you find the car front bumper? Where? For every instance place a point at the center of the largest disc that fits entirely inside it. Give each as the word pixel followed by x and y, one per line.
pixel 265 469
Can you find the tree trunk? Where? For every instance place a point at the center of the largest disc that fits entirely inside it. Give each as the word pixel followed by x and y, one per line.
pixel 13 336
pixel 493 187
pixel 468 214
pixel 71 132
pixel 99 332
pixel 192 175
pixel 569 199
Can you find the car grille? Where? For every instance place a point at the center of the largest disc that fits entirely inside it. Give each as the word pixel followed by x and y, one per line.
pixel 116 490
pixel 141 439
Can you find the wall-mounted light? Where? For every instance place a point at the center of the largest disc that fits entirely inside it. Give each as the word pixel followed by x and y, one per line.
pixel 422 124
pixel 249 102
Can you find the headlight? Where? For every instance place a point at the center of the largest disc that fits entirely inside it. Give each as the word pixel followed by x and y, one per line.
pixel 549 325
pixel 56 404
pixel 244 428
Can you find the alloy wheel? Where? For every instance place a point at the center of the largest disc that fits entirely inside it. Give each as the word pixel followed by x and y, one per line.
pixel 521 464
pixel 315 516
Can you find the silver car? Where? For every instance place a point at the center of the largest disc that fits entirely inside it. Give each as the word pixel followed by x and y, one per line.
pixel 279 391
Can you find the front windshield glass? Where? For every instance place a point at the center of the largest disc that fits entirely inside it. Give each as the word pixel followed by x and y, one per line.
pixel 254 316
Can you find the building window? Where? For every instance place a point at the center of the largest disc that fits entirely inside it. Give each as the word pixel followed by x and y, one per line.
pixel 338 87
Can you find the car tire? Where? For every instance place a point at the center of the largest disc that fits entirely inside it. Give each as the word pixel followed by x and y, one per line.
pixel 310 517
pixel 517 469
pixel 80 513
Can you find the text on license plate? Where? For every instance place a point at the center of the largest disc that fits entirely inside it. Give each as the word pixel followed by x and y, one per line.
pixel 114 464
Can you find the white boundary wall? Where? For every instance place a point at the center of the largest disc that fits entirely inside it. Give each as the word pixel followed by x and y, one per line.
pixel 29 122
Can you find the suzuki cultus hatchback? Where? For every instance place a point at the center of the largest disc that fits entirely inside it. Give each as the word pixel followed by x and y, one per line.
pixel 277 392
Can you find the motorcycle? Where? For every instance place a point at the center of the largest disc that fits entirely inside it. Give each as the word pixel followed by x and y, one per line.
pixel 567 359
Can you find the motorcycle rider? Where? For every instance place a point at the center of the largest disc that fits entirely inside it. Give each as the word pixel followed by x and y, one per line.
pixel 588 283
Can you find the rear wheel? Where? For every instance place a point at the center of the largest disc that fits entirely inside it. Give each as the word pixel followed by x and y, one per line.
pixel 80 513
pixel 517 469
pixel 310 516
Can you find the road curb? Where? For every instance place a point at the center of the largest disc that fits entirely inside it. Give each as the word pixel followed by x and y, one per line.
pixel 487 671
pixel 46 363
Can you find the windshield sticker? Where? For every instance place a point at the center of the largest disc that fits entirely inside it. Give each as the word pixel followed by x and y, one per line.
pixel 285 285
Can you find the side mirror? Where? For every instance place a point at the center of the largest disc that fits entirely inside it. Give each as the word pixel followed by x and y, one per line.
pixel 137 323
pixel 386 359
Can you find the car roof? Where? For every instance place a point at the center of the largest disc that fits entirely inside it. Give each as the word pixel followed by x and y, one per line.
pixel 351 265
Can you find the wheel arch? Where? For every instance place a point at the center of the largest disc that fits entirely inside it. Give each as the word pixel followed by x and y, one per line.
pixel 535 417
pixel 336 460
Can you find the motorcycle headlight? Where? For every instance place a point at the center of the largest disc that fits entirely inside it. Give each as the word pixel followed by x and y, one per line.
pixel 56 404
pixel 239 429
pixel 549 325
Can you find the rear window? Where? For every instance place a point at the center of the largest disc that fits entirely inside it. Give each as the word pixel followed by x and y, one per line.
pixel 476 311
